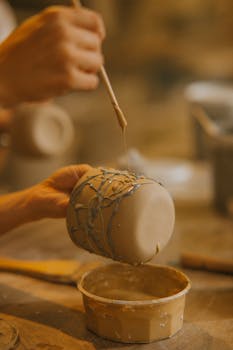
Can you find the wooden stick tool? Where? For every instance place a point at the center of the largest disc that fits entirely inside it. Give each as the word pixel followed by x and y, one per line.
pixel 205 262
pixel 209 126
pixel 56 271
pixel 104 76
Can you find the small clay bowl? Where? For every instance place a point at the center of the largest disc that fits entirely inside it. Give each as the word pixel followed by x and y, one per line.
pixel 132 304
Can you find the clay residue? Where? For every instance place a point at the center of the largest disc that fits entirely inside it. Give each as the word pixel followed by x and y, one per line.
pixel 130 283
pixel 122 293
pixel 106 190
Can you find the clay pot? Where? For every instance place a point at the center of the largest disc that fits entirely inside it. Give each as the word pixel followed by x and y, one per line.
pixel 41 130
pixel 134 304
pixel 120 215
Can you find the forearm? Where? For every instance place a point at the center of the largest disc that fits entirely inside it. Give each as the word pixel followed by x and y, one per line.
pixel 15 210
pixel 48 199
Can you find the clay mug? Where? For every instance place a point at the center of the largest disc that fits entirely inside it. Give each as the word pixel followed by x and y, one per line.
pixel 41 130
pixel 120 215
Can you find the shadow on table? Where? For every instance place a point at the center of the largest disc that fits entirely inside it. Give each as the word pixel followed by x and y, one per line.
pixel 72 322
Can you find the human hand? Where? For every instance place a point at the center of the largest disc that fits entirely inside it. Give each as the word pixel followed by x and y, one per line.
pixel 51 53
pixel 50 198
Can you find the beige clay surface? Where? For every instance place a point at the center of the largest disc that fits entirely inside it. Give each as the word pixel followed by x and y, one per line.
pixel 120 215
pixel 125 282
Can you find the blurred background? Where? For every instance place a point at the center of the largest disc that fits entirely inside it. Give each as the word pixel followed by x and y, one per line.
pixel 153 51
pixel 171 65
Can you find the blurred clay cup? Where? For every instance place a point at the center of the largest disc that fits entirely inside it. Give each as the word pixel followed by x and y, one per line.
pixel 216 100
pixel 41 130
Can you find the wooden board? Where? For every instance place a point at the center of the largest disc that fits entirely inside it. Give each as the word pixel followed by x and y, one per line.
pixel 51 317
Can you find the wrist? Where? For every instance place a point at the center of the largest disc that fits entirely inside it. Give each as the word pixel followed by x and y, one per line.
pixel 32 205
pixel 26 205
pixel 14 210
pixel 23 203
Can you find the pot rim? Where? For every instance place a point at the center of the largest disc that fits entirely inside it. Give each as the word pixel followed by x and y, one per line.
pixel 134 302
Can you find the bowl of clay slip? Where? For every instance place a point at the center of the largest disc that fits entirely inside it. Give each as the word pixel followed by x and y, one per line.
pixel 134 304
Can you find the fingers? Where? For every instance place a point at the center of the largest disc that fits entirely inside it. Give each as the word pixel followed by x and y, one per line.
pixel 89 61
pixel 80 17
pixel 89 20
pixel 71 56
pixel 87 40
pixel 51 197
pixel 68 44
pixel 66 178
pixel 74 79
pixel 76 172
pixel 78 58
pixel 86 81
pixel 60 203
pixel 55 204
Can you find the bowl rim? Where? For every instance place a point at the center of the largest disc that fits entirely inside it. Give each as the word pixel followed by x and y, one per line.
pixel 134 302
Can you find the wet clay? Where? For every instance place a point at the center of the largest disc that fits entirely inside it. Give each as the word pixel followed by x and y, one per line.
pixel 120 215
pixel 125 282
pixel 122 293
pixel 134 304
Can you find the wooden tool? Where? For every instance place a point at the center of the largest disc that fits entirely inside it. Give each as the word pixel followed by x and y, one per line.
pixel 208 125
pixel 57 271
pixel 104 76
pixel 204 262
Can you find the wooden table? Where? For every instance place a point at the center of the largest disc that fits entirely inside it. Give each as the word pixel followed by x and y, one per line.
pixel 51 317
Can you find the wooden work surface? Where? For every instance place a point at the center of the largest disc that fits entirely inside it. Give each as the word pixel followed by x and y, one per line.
pixel 51 317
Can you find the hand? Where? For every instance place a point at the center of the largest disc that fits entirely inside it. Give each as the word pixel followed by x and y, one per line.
pixel 50 198
pixel 51 53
